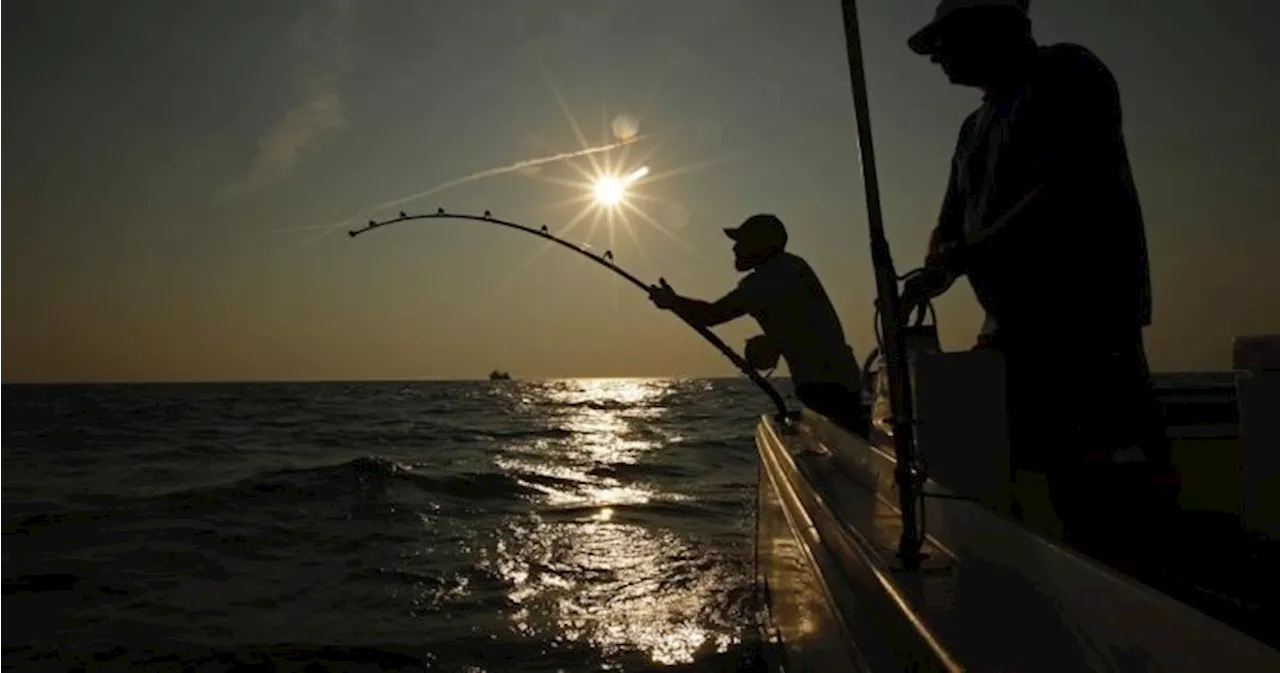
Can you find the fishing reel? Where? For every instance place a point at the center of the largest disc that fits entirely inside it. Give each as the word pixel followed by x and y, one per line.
pixel 919 337
pixel 762 352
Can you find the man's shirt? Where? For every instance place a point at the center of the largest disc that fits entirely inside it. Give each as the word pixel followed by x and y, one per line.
pixel 1079 253
pixel 785 296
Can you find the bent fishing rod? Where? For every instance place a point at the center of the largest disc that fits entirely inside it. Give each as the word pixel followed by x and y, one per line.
pixel 907 472
pixel 606 260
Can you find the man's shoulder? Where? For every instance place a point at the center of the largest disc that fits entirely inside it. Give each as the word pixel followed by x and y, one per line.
pixel 1066 60
pixel 970 121
pixel 785 265
pixel 793 263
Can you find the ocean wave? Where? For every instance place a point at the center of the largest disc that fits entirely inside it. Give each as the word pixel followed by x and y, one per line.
pixel 609 405
pixel 627 512
pixel 367 475
pixel 37 522
pixel 353 483
pixel 641 471
pixel 537 433
pixel 472 654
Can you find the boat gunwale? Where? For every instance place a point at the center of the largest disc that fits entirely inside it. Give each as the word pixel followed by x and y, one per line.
pixel 953 520
pixel 855 547
pixel 792 508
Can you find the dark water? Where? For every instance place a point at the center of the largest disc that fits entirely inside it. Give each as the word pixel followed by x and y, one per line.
pixel 508 526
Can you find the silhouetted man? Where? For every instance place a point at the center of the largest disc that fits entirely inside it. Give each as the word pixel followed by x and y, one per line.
pixel 784 295
pixel 1042 216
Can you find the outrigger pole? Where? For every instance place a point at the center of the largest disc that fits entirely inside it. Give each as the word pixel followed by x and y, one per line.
pixel 606 260
pixel 909 477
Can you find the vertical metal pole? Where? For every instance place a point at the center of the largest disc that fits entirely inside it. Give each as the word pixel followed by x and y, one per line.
pixel 890 314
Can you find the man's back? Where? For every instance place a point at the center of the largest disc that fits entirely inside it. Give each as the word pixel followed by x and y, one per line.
pixel 785 296
pixel 1084 256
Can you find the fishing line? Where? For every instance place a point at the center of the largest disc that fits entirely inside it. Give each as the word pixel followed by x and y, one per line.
pixel 605 260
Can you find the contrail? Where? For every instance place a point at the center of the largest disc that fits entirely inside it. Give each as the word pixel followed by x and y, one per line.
pixel 490 172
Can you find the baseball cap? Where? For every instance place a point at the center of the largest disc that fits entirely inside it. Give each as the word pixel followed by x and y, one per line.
pixel 925 41
pixel 762 229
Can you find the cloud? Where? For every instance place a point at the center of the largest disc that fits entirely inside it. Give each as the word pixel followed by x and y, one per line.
pixel 322 39
pixel 283 145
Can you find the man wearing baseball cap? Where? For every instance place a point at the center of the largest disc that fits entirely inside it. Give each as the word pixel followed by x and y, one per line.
pixel 786 298
pixel 1042 215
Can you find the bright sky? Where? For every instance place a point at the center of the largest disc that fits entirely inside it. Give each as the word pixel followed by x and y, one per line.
pixel 157 148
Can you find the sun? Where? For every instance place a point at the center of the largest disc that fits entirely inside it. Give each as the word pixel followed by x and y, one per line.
pixel 609 191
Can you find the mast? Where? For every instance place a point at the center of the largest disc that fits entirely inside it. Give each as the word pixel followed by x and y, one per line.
pixel 906 473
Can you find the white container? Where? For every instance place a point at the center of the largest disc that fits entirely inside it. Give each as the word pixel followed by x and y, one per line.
pixel 961 418
pixel 962 428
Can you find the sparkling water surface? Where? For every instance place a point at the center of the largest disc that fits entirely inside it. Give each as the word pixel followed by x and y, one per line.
pixel 498 526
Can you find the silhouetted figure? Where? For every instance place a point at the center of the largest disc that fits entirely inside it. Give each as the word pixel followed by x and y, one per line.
pixel 1042 216
pixel 786 298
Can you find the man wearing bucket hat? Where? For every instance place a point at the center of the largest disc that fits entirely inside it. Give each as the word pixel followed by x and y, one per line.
pixel 1042 215
pixel 786 298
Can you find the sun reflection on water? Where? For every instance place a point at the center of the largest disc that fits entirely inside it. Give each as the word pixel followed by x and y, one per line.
pixel 628 391
pixel 618 587
pixel 577 569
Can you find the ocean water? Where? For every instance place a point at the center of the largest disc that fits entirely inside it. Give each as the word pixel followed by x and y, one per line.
pixel 505 526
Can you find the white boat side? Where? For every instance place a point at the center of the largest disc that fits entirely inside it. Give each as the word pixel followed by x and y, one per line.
pixel 992 596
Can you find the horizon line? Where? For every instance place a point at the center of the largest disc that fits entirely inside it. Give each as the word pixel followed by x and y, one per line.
pixel 108 382
pixel 668 377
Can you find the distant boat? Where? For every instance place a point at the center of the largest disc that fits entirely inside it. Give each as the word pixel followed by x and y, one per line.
pixel 496 375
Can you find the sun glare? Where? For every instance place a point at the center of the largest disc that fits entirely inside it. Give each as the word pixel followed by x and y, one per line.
pixel 609 191
pixel 612 190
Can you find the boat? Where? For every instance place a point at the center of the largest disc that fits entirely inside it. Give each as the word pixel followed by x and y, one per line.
pixel 993 593
pixel 899 550
pixel 496 375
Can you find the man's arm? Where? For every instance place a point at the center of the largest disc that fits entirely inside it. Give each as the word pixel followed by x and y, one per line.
pixel 950 228
pixel 948 236
pixel 709 314
pixel 696 311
